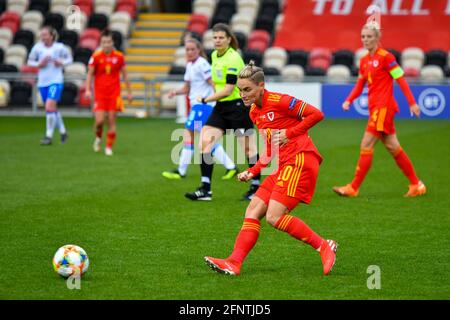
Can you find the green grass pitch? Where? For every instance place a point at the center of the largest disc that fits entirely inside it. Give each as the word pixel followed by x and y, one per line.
pixel 146 241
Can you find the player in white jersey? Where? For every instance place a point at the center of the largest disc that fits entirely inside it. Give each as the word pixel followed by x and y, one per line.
pixel 50 57
pixel 197 83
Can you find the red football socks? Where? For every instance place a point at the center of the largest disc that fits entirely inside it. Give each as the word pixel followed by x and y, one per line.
pixel 364 164
pixel 245 240
pixel 405 164
pixel 299 230
pixel 111 138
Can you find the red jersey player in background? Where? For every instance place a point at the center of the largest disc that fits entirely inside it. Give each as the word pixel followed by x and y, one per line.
pixel 379 68
pixel 106 65
pixel 284 122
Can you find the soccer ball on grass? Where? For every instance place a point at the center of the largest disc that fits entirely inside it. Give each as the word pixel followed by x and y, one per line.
pixel 70 260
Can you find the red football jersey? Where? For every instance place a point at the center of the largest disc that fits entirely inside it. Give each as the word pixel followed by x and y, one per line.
pixel 107 73
pixel 281 111
pixel 375 70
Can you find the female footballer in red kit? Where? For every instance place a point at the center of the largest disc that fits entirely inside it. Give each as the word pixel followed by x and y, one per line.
pixel 284 122
pixel 379 69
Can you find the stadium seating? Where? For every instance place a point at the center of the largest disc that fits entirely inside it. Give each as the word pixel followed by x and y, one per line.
pixel 413 58
pixel 20 93
pixel 180 62
pixel 56 20
pixel 320 58
pixel 120 22
pixel 6 37
pixel 16 55
pixel 293 73
pixel 207 41
pixel 76 70
pixel 18 6
pixel 32 20
pixel 241 39
pixel 82 55
pixel 166 102
pixel 69 38
pixel 275 57
pixel 86 6
pixel 338 73
pixel 98 20
pixel 177 70
pixel 25 38
pixel 2 55
pixel 298 57
pixel 204 7
pixel 436 57
pixel 259 40
pixel 90 38
pixel 411 72
pixel 180 52
pixel 198 23
pixel 128 6
pixel 240 22
pixel 224 11
pixel 2 6
pixel 252 54
pixel 118 39
pixel 42 6
pixel 105 7
pixel 432 74
pixel 29 73
pixel 69 94
pixel 10 20
pixel 247 5
pixel 314 71
pixel 278 22
pixel 60 6
pixel 343 57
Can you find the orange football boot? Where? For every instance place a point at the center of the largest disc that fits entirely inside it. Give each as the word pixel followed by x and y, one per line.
pixel 346 191
pixel 416 190
pixel 328 254
pixel 223 266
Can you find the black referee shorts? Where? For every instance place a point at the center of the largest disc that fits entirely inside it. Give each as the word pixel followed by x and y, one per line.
pixel 231 115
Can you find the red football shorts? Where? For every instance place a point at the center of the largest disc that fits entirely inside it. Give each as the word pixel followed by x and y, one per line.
pixel 381 121
pixel 292 183
pixel 109 104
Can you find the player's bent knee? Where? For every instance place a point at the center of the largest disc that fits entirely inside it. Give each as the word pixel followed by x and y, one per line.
pixel 272 219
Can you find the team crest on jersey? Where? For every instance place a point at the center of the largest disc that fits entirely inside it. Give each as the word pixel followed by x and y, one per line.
pixel 114 60
pixel 375 63
pixel 270 116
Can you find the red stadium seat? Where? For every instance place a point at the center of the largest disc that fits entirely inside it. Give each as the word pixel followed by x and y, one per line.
pixel 411 72
pixel 320 58
pixel 259 40
pixel 90 38
pixel 10 20
pixel 86 6
pixel 130 9
pixel 198 23
pixel 28 70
